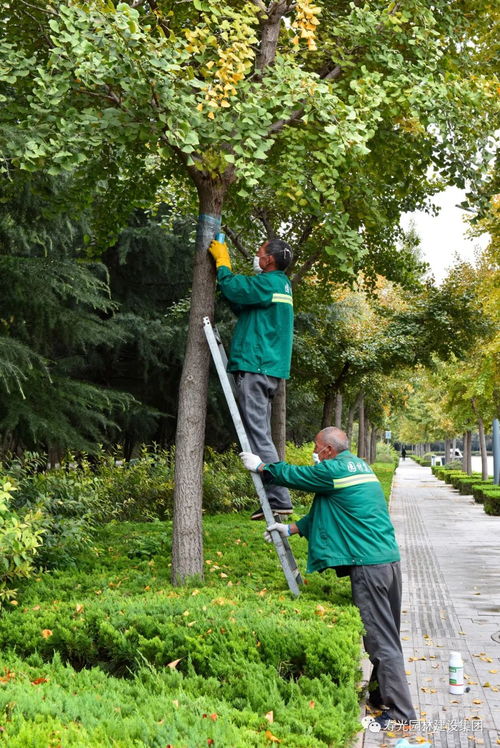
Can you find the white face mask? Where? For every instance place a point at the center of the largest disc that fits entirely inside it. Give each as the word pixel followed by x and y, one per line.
pixel 315 456
pixel 256 264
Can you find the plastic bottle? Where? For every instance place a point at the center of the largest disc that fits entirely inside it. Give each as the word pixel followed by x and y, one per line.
pixel 403 743
pixel 220 237
pixel 456 671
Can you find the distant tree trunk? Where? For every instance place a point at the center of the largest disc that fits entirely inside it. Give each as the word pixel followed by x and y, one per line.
pixel 373 444
pixel 482 441
pixel 350 416
pixel 467 458
pixel 447 449
pixel 361 427
pixel 187 547
pixel 278 420
pixel 328 408
pixel 453 448
pixel 367 439
pixel 338 410
pixel 482 447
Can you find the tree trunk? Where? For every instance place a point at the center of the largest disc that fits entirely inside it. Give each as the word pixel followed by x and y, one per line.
pixel 467 458
pixel 187 551
pixel 361 427
pixel 278 420
pixel 447 450
pixel 328 408
pixel 482 441
pixel 373 445
pixel 338 410
pixel 351 414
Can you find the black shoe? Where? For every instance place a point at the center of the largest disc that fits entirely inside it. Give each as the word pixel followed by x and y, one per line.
pixel 383 720
pixel 259 514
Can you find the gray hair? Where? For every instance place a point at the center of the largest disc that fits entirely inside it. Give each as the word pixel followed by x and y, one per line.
pixel 335 438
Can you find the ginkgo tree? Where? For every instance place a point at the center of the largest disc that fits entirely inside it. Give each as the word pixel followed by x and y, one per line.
pixel 204 100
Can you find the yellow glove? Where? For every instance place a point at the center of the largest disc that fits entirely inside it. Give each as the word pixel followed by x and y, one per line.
pixel 220 253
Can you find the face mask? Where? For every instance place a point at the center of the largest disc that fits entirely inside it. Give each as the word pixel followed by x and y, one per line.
pixel 256 264
pixel 315 456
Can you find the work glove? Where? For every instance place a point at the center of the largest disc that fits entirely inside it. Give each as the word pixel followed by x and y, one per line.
pixel 250 461
pixel 284 531
pixel 220 253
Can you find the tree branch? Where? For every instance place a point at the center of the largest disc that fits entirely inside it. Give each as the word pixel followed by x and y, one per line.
pixel 270 32
pixel 305 267
pixel 263 217
pixel 159 20
pixel 235 239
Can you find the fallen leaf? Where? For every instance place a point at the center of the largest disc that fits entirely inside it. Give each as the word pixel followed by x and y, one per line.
pixel 172 665
pixel 46 633
pixel 271 737
pixel 219 553
pixel 13 602
pixel 408 672
pixel 270 717
pixel 210 741
pixel 78 608
pixel 35 607
pixel 175 702
pixel 320 610
pixel 477 701
pixel 222 575
pixel 191 623
pixel 405 638
pixel 312 704
pixel 493 671
pixel 37 681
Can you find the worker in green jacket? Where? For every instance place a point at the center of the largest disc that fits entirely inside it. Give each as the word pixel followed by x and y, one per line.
pixel 261 347
pixel 349 529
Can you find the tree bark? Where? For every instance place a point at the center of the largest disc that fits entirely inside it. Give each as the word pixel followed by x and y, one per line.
pixel 467 458
pixel 350 416
pixel 373 444
pixel 338 410
pixel 187 551
pixel 447 450
pixel 361 427
pixel 328 408
pixel 482 441
pixel 278 420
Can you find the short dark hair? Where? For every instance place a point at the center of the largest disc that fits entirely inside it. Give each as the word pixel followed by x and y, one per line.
pixel 281 251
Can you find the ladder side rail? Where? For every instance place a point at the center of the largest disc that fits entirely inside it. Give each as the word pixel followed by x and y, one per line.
pixel 245 446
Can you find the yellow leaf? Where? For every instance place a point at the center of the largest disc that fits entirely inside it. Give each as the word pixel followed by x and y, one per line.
pixel 272 737
pixel 46 633
pixel 270 717
pixel 320 610
pixel 78 608
pixel 175 702
pixel 477 701
pixel 492 671
pixel 312 704
pixel 172 665
pixel 222 575
pixel 219 553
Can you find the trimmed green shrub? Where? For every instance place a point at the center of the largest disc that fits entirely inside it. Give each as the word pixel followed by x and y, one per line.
pixel 477 490
pixel 492 500
pixel 115 656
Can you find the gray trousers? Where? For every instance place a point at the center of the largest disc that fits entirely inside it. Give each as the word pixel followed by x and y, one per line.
pixel 376 591
pixel 255 395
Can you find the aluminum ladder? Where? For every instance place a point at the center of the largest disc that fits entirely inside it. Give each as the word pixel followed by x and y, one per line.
pixel 285 555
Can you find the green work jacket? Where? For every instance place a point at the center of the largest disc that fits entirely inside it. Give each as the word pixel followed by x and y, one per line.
pixel 348 524
pixel 263 336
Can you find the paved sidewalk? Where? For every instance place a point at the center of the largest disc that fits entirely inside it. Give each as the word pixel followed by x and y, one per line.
pixel 450 552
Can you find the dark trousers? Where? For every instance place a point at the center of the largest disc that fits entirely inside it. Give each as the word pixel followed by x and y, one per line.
pixel 376 591
pixel 255 395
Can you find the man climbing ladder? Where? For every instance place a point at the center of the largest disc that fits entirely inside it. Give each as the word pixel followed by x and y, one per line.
pixel 261 347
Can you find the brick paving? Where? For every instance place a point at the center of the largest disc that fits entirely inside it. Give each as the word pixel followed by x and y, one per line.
pixel 450 552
